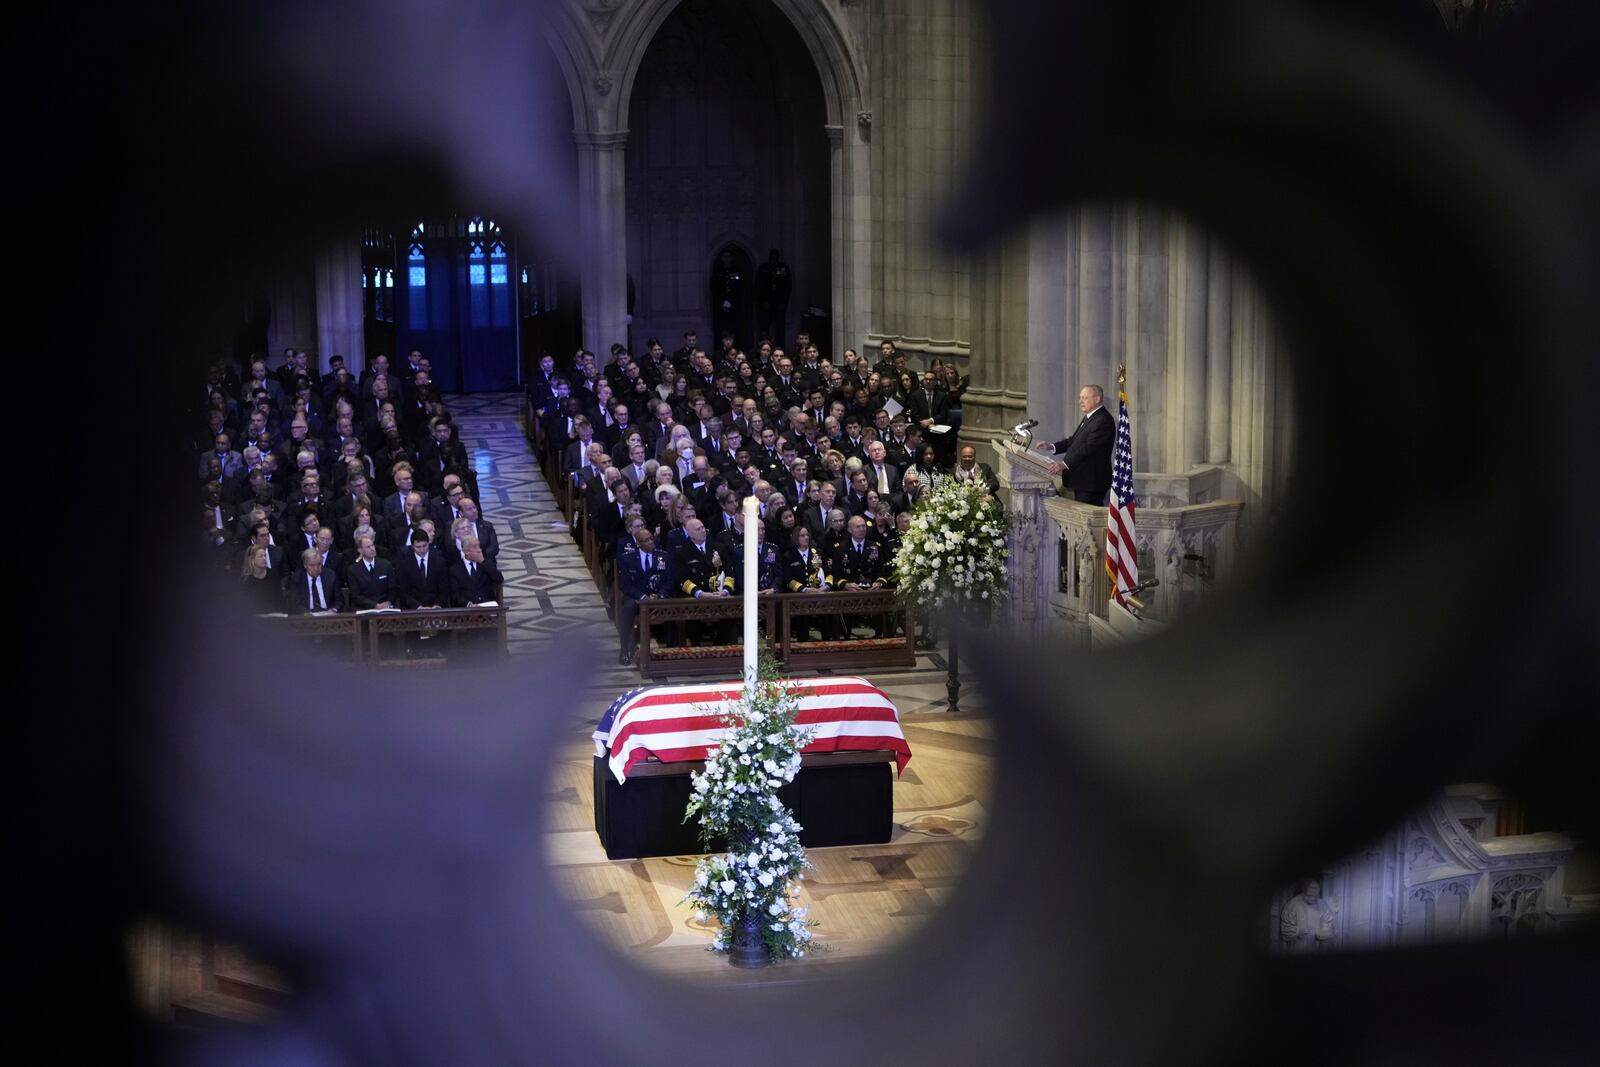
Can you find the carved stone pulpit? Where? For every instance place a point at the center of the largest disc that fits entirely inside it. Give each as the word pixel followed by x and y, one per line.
pixel 1187 537
pixel 1025 481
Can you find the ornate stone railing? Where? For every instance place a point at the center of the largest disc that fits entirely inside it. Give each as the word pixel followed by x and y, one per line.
pixel 1186 538
pixel 1444 875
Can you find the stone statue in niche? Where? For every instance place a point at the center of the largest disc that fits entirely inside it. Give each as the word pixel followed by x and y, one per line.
pixel 1307 920
pixel 773 284
pixel 730 286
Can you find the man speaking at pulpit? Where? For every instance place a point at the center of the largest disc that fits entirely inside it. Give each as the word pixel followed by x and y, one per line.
pixel 1085 463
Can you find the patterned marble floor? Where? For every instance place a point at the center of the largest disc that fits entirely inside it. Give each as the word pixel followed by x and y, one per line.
pixel 864 897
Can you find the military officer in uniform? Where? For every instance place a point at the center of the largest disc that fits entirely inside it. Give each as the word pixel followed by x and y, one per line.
pixel 699 571
pixel 858 563
pixel 769 565
pixel 644 574
pixel 806 572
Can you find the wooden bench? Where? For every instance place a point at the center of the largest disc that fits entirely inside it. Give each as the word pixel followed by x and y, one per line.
pixel 848 653
pixel 667 660
pixel 776 614
pixel 453 621
pixel 342 627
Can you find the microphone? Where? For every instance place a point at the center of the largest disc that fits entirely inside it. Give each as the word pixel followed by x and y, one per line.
pixel 1148 583
pixel 1030 424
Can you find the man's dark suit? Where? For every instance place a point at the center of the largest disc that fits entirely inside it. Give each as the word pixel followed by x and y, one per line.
pixel 367 590
pixel 1087 454
pixel 923 405
pixel 468 589
pixel 636 582
pixel 891 475
pixel 298 595
pixel 417 588
pixel 489 541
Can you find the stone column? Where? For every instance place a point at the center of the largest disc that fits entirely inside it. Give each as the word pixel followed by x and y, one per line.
pixel 1219 355
pixel 1095 277
pixel 603 238
pixel 1186 351
pixel 1052 318
pixel 340 307
pixel 851 238
pixel 292 321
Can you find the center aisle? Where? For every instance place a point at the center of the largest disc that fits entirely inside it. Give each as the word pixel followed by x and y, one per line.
pixel 548 591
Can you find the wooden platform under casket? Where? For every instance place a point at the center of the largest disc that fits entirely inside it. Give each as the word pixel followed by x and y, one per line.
pixel 839 798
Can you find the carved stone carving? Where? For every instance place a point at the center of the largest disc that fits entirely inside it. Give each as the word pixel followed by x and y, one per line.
pixel 601 13
pixel 602 84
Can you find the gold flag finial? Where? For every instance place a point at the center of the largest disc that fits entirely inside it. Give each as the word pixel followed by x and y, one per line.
pixel 1122 374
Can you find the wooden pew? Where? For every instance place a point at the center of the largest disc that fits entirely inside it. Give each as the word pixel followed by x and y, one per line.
pixel 668 661
pixel 454 621
pixel 343 627
pixel 847 653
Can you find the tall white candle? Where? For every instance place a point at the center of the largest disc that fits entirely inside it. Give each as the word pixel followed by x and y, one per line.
pixel 752 516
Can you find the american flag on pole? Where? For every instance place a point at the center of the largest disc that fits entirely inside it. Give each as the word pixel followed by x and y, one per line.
pixel 1122 555
pixel 680 722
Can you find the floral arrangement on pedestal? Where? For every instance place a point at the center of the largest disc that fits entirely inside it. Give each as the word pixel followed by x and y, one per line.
pixel 955 552
pixel 751 889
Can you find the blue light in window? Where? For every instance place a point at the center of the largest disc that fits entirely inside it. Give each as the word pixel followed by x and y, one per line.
pixel 497 274
pixel 388 279
pixel 418 277
pixel 475 274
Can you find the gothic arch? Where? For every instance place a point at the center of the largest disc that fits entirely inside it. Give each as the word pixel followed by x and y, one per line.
pixel 575 58
pixel 818 27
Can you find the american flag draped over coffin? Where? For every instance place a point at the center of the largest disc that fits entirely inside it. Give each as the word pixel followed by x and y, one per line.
pixel 680 722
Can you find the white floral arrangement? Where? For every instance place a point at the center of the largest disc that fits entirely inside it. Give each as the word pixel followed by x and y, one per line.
pixel 955 552
pixel 736 799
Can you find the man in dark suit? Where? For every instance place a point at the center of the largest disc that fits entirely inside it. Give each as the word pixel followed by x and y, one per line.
pixel 473 579
pixel 371 578
pixel 331 560
pixel 311 588
pixel 610 520
pixel 911 492
pixel 642 574
pixel 968 469
pixel 1085 463
pixel 438 454
pixel 395 505
pixel 421 574
pixel 854 501
pixel 482 529
pixel 928 404
pixel 814 516
pixel 445 509
pixel 881 474
pixel 402 526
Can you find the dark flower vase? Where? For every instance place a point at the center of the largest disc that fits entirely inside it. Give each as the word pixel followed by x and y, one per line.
pixel 749 946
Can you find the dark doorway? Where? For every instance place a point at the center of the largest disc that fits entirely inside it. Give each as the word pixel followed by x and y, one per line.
pixel 458 304
pixel 726 148
pixel 732 293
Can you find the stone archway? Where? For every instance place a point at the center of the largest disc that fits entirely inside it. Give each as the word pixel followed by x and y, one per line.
pixel 601 45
